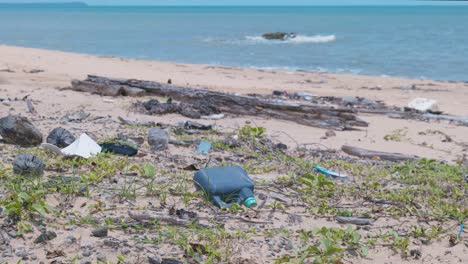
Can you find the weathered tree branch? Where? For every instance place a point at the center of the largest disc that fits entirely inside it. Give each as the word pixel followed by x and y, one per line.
pixel 364 153
pixel 310 115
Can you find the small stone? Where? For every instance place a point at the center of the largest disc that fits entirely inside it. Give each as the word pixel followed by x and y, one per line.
pixel 125 251
pixel 154 259
pixel 47 236
pixel 87 253
pixel 101 257
pixel 330 133
pixel 281 147
pixel 100 232
pixel 350 100
pixel 19 131
pixel 289 245
pixel 140 246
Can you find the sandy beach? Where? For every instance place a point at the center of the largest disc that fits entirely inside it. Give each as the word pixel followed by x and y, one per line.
pixel 60 68
pixel 43 75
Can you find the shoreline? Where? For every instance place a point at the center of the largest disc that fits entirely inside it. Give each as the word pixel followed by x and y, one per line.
pixel 266 68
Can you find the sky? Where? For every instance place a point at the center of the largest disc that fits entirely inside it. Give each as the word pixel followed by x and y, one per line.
pixel 241 2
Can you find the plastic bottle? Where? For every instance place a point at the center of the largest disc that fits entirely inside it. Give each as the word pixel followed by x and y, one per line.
pixel 226 185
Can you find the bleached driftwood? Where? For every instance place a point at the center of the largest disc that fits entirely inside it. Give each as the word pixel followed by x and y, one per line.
pixel 364 153
pixel 310 115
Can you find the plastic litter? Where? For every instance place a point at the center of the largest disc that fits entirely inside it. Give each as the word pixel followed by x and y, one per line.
pixel 60 137
pixel 424 105
pixel 84 147
pixel 121 147
pixel 28 165
pixel 354 220
pixel 213 117
pixel 329 173
pixel 460 231
pixel 194 125
pixel 226 186
pixel 158 139
pixel 204 147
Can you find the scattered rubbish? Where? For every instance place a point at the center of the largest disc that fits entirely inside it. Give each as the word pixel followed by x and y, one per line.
pixel 134 123
pixel 46 236
pixel 133 140
pixel 424 105
pixel 408 87
pixel 204 147
pixel 460 231
pixel 171 261
pixel 281 147
pixel 350 100
pixel 28 165
pixel 329 173
pixel 226 185
pixel 84 147
pixel 154 259
pixel 213 117
pixel 354 220
pixel 19 131
pixel 60 137
pixel 280 93
pixel 304 96
pixel 192 167
pixel 169 81
pixel 76 117
pixel 120 147
pixel 100 231
pixel 195 125
pixel 52 149
pixel 158 139
pixel 34 71
pixel 7 70
pixel 30 107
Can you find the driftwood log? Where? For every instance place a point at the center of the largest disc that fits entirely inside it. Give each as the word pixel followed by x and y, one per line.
pixel 310 115
pixel 364 153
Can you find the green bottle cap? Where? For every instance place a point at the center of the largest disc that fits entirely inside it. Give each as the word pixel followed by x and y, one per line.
pixel 249 202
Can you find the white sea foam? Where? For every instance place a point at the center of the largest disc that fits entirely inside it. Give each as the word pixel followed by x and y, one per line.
pixel 253 40
pixel 299 39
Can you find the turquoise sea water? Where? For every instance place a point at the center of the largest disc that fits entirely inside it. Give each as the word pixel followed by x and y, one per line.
pixel 427 42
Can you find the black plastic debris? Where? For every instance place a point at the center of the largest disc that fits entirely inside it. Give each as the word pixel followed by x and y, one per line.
pixel 60 137
pixel 28 165
pixel 120 148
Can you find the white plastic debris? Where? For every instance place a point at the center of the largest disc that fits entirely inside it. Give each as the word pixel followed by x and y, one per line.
pixel 213 117
pixel 424 104
pixel 84 147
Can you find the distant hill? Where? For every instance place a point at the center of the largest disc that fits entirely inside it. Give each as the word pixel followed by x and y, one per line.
pixel 45 4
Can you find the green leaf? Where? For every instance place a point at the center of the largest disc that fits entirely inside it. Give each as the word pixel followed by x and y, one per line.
pixel 39 208
pixel 23 197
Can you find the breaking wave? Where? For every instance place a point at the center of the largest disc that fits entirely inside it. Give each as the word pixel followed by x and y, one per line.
pixel 252 40
pixel 299 39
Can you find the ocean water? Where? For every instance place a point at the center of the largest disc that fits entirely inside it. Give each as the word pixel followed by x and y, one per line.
pixel 407 41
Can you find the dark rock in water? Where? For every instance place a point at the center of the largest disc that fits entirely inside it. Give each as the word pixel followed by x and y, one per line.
pixel 60 137
pixel 100 232
pixel 279 36
pixel 121 147
pixel 158 139
pixel 18 130
pixel 46 236
pixel 28 165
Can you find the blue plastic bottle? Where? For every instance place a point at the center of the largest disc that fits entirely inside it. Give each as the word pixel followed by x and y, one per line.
pixel 226 185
